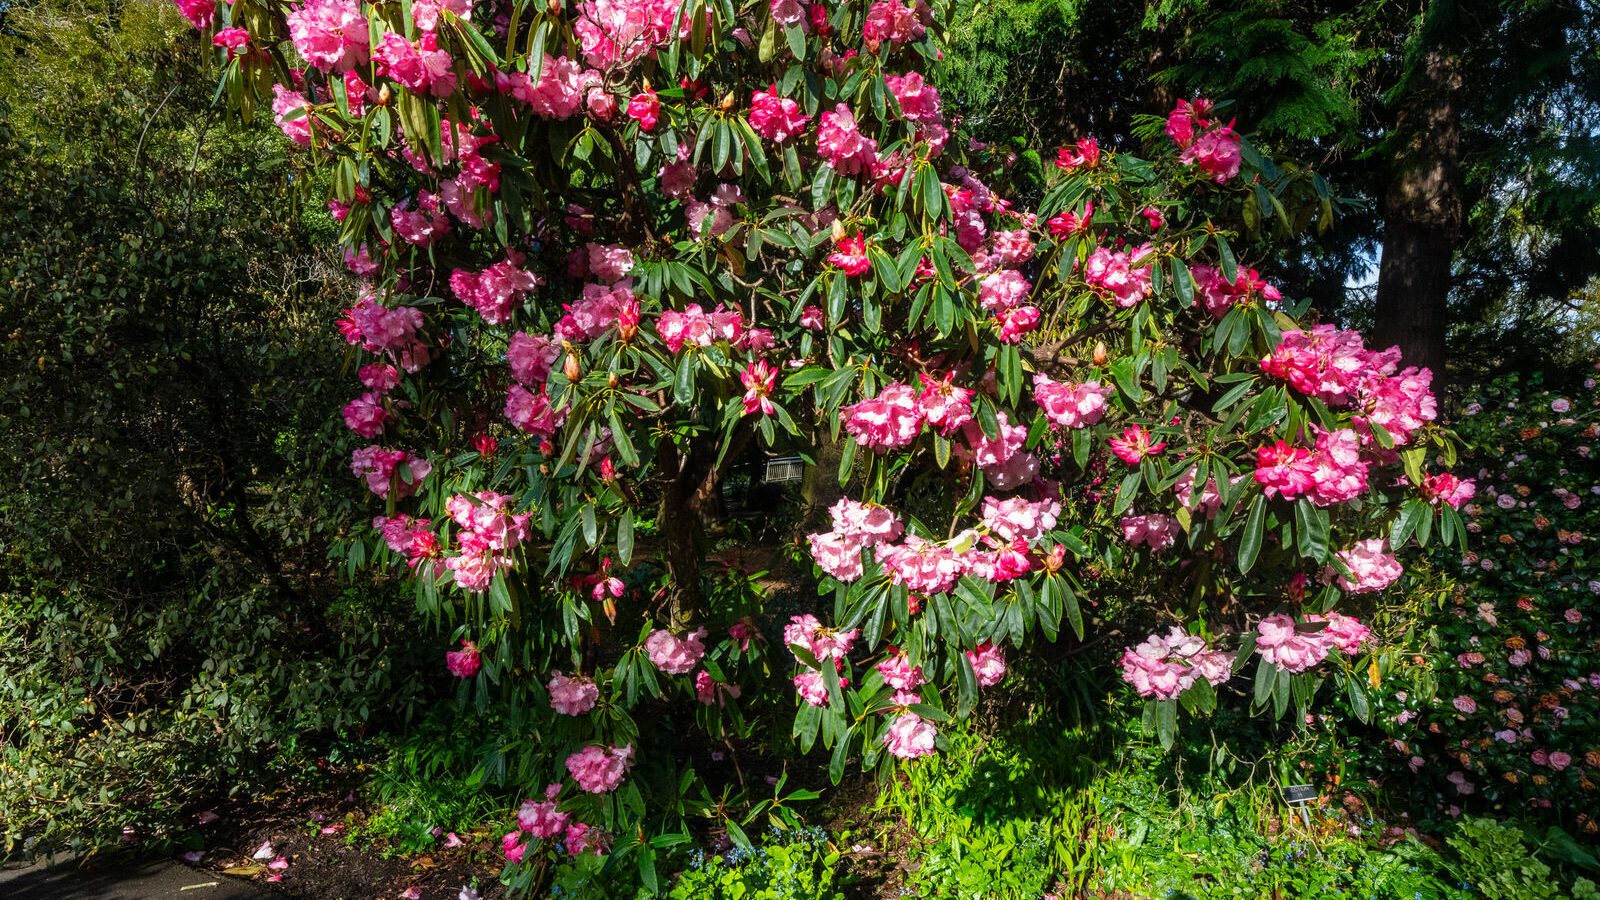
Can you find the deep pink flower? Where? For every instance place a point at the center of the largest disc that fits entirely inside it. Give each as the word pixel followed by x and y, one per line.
pixel 645 108
pixel 463 663
pixel 759 378
pixel 851 256
pixel 775 118
pixel 1085 154
pixel 1135 444
pixel 842 145
pixel 1286 470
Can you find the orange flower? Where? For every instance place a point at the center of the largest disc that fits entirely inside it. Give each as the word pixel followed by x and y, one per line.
pixel 1516 643
pixel 1528 434
pixel 1540 522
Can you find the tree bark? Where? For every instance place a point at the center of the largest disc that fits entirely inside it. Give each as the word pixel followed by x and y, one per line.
pixel 1422 212
pixel 692 493
pixel 819 488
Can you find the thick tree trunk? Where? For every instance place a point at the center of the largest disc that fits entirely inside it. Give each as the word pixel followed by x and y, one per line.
pixel 690 497
pixel 1422 214
pixel 820 487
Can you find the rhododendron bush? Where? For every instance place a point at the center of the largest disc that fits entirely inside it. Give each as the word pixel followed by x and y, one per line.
pixel 613 246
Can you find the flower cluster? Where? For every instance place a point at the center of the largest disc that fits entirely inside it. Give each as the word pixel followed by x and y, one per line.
pixel 1164 666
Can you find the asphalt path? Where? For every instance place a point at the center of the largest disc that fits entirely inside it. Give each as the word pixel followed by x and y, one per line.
pixel 119 878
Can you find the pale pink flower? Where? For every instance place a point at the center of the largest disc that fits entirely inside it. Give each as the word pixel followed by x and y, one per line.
pixel 909 736
pixel 599 770
pixel 676 655
pixel 572 696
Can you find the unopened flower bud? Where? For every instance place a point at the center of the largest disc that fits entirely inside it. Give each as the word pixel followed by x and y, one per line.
pixel 728 102
pixel 572 368
pixel 1100 355
pixel 384 95
pixel 838 230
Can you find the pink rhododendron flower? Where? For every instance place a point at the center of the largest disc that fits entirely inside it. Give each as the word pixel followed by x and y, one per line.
pixel 899 673
pixel 775 118
pixel 1328 363
pixel 532 412
pixel 1372 567
pixel 698 328
pixel 645 108
pixel 945 406
pixel 421 67
pixel 1066 224
pixel 870 522
pixel 494 291
pixel 1135 444
pixel 922 566
pixel 200 13
pixel 894 22
pixel 910 736
pixel 541 819
pixel 1218 296
pixel 888 421
pixel 330 34
pixel 620 32
pixel 1005 463
pixel 1401 403
pixel 759 379
pixel 1003 290
pixel 842 145
pixel 710 691
pixel 1070 405
pixel 389 471
pixel 1155 219
pixel 365 415
pixel 1207 501
pixel 811 317
pixel 1013 248
pixel 988 664
pixel 1085 154
pixel 463 663
pixel 425 13
pixel 531 356
pixel 572 696
pixel 422 225
pixel 284 102
pixel 676 655
pixel 1117 274
pixel 1015 518
pixel 1156 531
pixel 851 256
pixel 1281 644
pixel 1340 474
pixel 1015 323
pixel 1163 667
pixel 610 263
pixel 599 770
pixel 234 39
pixel 1282 469
pixel 1217 153
pixel 821 642
pixel 811 687
pixel 838 555
pixel 488 515
pixel 1346 632
pixel 583 838
pixel 399 532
